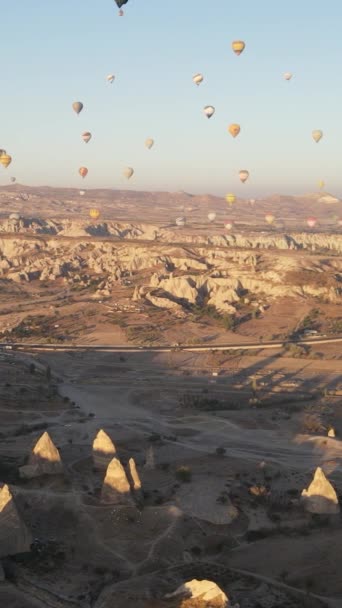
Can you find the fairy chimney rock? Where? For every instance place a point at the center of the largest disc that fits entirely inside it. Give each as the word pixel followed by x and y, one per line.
pixel 134 475
pixel 320 497
pixel 103 450
pixel 14 536
pixel 207 591
pixel 150 460
pixel 44 459
pixel 116 488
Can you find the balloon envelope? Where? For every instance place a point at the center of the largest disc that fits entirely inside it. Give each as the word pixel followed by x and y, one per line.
pixel 82 192
pixel 120 3
pixel 77 106
pixel 149 143
pixel 212 216
pixel 83 171
pixel 13 179
pixel 269 218
pixel 311 222
pixel 94 214
pixel 110 78
pixel 180 221
pixel 209 111
pixel 317 135
pixel 234 129
pixel 5 160
pixel 229 224
pixel 128 172
pixel 238 46
pixel 197 79
pixel 287 75
pixel 243 175
pixel 86 136
pixel 321 184
pixel 230 198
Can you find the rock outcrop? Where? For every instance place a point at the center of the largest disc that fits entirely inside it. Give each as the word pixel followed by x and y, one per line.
pixel 116 488
pixel 14 536
pixel 44 459
pixel 150 464
pixel 320 497
pixel 207 591
pixel 103 450
pixel 134 478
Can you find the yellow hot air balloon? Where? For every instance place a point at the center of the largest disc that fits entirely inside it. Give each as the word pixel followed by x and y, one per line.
pixel 238 46
pixel 197 79
pixel 243 175
pixel 321 184
pixel 94 214
pixel 317 135
pixel 234 129
pixel 149 143
pixel 5 160
pixel 230 198
pixel 2 152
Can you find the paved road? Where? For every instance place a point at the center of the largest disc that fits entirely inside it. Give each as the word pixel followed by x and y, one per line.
pixel 164 349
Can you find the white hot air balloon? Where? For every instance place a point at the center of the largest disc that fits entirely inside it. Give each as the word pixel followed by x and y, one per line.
pixel 212 216
pixel 128 172
pixel 82 192
pixel 252 202
pixel 110 78
pixel 229 224
pixel 197 79
pixel 209 111
pixel 243 175
pixel 288 75
pixel 149 143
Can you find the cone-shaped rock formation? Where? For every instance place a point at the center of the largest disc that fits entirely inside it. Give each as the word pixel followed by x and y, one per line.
pixel 116 489
pixel 14 536
pixel 207 591
pixel 44 459
pixel 150 460
pixel 103 450
pixel 320 497
pixel 134 476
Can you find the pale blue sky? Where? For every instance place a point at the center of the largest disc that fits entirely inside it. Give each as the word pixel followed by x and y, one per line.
pixel 56 52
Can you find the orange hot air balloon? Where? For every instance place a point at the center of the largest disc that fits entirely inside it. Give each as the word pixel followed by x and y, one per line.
pixel 94 214
pixel 311 222
pixel 234 129
pixel 238 46
pixel 5 160
pixel 83 171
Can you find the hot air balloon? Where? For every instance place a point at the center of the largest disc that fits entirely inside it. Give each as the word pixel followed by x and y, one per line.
pixel 339 222
pixel 94 214
pixel 13 179
pixel 2 152
pixel 238 46
pixel 110 78
pixel 234 129
pixel 82 192
pixel 311 222
pixel 269 218
pixel 243 175
pixel 83 171
pixel 180 221
pixel 128 172
pixel 86 136
pixel 230 198
pixel 252 201
pixel 209 111
pixel 288 75
pixel 77 106
pixel 149 143
pixel 212 216
pixel 321 184
pixel 120 3
pixel 5 160
pixel 197 79
pixel 317 135
pixel 229 224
